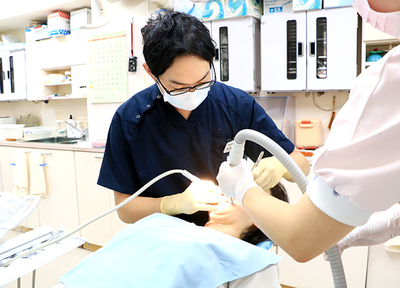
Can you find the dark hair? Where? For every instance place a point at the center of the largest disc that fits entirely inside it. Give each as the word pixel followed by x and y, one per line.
pixel 254 235
pixel 173 35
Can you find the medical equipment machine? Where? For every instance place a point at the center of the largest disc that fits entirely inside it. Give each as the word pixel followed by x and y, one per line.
pixel 14 209
pixel 234 158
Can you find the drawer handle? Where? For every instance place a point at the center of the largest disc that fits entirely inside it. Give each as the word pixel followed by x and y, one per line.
pixel 98 157
pixel 46 153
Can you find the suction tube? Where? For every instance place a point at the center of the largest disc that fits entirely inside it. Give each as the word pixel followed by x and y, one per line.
pixel 236 154
pixel 234 158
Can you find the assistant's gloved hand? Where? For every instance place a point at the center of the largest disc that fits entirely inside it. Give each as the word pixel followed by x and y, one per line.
pixel 269 172
pixel 235 180
pixel 381 227
pixel 199 196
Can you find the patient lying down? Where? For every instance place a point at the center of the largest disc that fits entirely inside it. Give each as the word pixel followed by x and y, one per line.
pixel 164 251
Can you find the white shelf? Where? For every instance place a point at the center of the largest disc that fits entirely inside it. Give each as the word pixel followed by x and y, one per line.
pixel 65 90
pixel 57 84
pixel 62 98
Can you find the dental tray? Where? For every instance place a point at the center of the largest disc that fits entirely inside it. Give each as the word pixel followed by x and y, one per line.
pixel 25 241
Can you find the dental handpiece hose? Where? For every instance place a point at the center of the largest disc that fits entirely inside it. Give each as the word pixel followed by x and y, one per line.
pixel 235 157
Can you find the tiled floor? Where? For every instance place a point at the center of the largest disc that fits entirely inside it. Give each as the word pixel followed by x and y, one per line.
pixel 49 275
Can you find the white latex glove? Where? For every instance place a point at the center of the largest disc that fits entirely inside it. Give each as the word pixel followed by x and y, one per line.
pixel 235 180
pixel 381 227
pixel 199 196
pixel 269 172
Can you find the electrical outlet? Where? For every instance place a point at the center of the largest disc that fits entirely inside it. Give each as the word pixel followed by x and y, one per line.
pixel 132 65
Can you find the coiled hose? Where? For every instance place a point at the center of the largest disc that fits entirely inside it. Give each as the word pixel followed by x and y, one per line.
pixel 234 158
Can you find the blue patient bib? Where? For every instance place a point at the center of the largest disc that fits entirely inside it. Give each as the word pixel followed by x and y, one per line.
pixel 164 251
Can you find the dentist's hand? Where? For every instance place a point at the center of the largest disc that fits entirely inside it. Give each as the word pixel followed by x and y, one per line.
pixel 235 181
pixel 269 172
pixel 199 196
pixel 381 227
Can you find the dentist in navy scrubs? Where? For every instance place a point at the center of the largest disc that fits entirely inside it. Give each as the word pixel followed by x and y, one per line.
pixel 184 121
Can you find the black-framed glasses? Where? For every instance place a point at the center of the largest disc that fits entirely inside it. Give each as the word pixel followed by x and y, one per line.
pixel 200 86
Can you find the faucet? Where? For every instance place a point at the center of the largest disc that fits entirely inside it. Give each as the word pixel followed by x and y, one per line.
pixel 76 128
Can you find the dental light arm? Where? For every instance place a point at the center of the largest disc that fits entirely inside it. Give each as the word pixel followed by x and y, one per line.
pixel 137 193
pixel 235 157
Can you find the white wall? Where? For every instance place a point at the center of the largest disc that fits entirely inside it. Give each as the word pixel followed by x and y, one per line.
pixel 121 13
pixel 310 105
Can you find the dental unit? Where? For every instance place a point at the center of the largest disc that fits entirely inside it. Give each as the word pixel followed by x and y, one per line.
pixel 234 158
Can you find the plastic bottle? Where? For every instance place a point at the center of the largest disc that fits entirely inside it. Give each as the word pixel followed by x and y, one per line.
pixel 70 130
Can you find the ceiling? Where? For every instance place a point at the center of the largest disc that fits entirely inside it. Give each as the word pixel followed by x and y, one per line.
pixel 12 21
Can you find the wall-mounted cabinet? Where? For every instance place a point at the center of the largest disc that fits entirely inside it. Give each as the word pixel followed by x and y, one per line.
pixel 12 75
pixel 64 82
pixel 237 61
pixel 375 39
pixel 64 53
pixel 309 51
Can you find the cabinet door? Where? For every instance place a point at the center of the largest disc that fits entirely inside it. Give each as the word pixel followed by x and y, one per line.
pixel 60 207
pixel 7 185
pixel 332 42
pixel 237 42
pixel 79 79
pixel 283 52
pixel 383 267
pixel 13 75
pixel 92 198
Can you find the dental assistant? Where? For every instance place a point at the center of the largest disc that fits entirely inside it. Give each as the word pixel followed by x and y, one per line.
pixel 357 170
pixel 184 121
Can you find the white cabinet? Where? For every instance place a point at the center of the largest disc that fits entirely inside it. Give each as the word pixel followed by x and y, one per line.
pixel 66 52
pixel 60 206
pixel 383 268
pixel 375 39
pixel 12 75
pixel 67 88
pixel 93 199
pixel 7 185
pixel 237 61
pixel 313 50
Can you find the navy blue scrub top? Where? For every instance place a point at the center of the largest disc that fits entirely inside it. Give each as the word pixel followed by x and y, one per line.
pixel 148 137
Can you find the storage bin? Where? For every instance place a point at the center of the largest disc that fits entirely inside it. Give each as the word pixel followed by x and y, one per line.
pixel 32 133
pixel 8 120
pixel 308 133
pixel 11 131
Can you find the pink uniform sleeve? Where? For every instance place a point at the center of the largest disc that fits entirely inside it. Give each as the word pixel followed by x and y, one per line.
pixel 358 168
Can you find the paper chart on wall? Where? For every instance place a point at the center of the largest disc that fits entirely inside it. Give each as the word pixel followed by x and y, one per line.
pixel 107 68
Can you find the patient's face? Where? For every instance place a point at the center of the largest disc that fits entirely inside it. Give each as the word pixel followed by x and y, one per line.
pixel 228 214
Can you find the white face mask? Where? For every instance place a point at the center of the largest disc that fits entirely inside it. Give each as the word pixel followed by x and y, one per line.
pixel 187 101
pixel 385 22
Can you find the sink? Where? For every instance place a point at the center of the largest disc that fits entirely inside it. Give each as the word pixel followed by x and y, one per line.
pixel 57 140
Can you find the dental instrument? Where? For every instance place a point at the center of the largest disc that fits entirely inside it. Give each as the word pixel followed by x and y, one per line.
pixel 234 158
pixel 258 160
